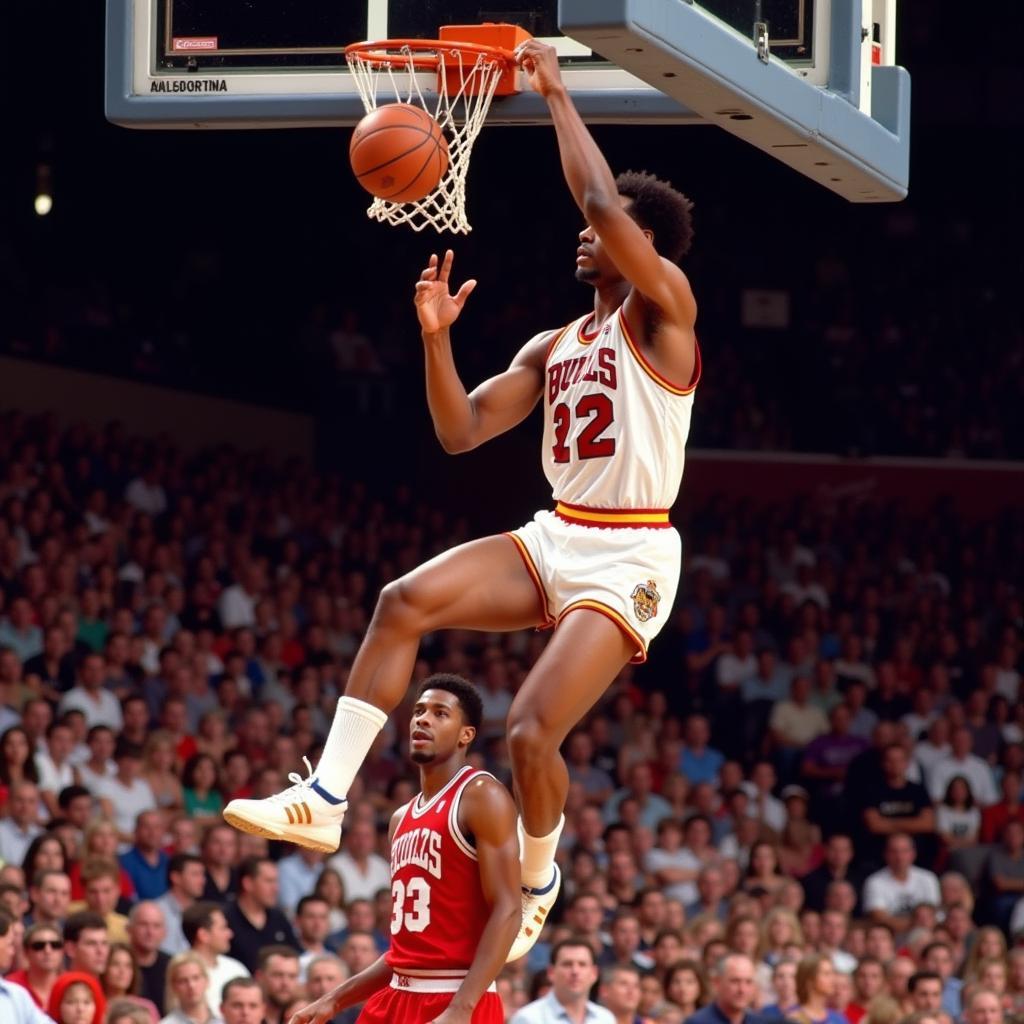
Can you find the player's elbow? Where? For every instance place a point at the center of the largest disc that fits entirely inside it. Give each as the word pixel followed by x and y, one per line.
pixel 455 444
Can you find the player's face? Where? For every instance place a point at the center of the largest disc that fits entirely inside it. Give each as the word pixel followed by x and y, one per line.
pixel 593 265
pixel 437 728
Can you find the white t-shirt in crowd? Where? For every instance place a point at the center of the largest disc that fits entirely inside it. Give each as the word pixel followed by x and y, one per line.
pixel 128 802
pixel 976 771
pixel 883 891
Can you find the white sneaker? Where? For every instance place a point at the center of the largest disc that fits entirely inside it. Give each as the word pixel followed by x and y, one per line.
pixel 304 814
pixel 536 907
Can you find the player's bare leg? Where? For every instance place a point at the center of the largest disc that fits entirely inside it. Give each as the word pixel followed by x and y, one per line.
pixel 584 656
pixel 482 585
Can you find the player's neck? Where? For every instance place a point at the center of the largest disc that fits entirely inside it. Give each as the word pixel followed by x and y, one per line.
pixel 607 299
pixel 434 777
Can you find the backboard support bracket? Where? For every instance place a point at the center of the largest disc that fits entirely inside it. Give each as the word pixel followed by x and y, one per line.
pixel 714 69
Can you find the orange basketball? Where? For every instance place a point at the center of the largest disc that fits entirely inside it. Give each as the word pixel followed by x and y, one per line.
pixel 398 152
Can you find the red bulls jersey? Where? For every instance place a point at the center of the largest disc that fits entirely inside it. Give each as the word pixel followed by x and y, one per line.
pixel 438 912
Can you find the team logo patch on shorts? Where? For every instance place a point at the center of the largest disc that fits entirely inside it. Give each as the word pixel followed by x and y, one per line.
pixel 645 600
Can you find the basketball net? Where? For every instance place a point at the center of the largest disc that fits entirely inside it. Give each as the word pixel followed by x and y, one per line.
pixel 466 83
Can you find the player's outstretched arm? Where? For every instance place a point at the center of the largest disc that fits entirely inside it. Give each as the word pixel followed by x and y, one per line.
pixel 464 421
pixel 592 185
pixel 489 815
pixel 355 990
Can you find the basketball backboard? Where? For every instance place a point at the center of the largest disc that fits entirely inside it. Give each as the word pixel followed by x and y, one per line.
pixel 811 82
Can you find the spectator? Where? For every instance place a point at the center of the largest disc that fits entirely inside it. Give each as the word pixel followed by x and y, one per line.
pixel 203 801
pixel 827 757
pixel 99 766
pixel 43 948
pixel 957 819
pixel 815 982
pixel 800 850
pixel 1006 873
pixel 960 761
pixel 324 973
pixel 983 1007
pixel 834 925
pixel 86 943
pixel 101 840
pixel 363 871
pixel 123 981
pixel 699 761
pixel 98 704
pixel 77 999
pixel 686 987
pixel 254 918
pixel 651 808
pixel 312 925
pixel 21 825
pixel 145 862
pixel 50 896
pixel 572 973
pixel 837 866
pixel 784 996
pixel 186 878
pixel 125 796
pixel 188 991
pixel 298 873
pixel 711 890
pixel 764 807
pixel 597 784
pixel 207 932
pixel 624 945
pixel 101 880
pixel 892 893
pixel 868 984
pixel 53 765
pixel 219 852
pixel 620 993
pixel 794 723
pixel 146 931
pixel 734 991
pixel 585 917
pixel 675 866
pixel 937 958
pixel 278 975
pixel 1009 808
pixel 925 988
pixel 243 1002
pixel 19 632
pixel 897 805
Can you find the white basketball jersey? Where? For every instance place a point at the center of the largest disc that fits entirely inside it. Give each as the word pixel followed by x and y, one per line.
pixel 614 428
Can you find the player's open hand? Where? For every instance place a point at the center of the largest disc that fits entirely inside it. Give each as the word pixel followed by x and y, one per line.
pixel 319 1012
pixel 436 307
pixel 540 62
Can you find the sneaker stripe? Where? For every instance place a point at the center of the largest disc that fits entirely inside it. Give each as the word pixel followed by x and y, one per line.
pixel 288 811
pixel 309 813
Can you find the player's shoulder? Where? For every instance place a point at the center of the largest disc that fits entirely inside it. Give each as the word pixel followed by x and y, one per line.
pixel 483 795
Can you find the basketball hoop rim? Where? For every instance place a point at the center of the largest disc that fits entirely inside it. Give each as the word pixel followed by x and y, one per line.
pixel 426 54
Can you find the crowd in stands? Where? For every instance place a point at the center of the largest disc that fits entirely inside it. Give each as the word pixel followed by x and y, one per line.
pixel 807 806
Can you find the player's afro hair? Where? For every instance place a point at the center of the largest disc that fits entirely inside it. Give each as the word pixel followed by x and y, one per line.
pixel 465 692
pixel 657 206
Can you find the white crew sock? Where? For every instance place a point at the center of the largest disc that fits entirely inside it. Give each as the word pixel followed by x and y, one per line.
pixel 353 731
pixel 537 856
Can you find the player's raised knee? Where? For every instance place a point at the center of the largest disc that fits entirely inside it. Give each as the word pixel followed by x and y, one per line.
pixel 399 605
pixel 528 739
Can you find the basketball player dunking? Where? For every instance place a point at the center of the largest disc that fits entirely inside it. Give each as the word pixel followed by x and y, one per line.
pixel 454 881
pixel 602 568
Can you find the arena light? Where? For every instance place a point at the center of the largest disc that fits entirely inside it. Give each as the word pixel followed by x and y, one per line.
pixel 44 190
